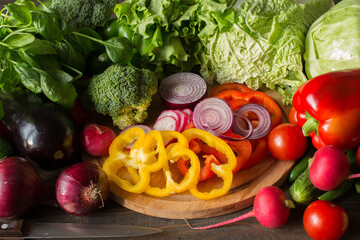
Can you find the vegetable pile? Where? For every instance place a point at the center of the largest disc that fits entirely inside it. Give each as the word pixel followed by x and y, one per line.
pixel 66 63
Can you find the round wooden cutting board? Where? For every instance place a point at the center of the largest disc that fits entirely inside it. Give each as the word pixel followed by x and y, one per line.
pixel 245 185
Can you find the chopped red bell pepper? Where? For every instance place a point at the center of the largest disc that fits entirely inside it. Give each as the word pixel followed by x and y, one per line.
pixel 242 150
pixel 258 98
pixel 259 151
pixel 331 104
pixel 229 86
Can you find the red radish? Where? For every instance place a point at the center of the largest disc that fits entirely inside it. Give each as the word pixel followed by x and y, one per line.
pixel 329 168
pixel 184 120
pixel 182 90
pixel 82 188
pixel 21 188
pixel 188 111
pixel 171 113
pixel 96 139
pixel 271 209
pixel 166 123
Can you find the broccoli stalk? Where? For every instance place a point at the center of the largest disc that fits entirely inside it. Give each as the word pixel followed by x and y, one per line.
pixel 83 13
pixel 124 93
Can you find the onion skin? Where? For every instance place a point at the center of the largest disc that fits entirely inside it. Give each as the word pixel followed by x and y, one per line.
pixel 82 188
pixel 21 188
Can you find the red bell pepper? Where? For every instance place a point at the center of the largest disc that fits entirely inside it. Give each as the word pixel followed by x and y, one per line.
pixel 254 97
pixel 229 86
pixel 331 104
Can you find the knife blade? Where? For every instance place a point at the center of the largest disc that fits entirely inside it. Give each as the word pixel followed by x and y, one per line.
pixel 15 229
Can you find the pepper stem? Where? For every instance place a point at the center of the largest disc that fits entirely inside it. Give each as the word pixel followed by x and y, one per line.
pixel 311 125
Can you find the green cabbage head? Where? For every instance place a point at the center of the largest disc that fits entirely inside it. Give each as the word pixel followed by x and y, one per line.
pixel 333 40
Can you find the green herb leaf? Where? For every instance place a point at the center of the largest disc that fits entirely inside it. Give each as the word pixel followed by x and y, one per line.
pixel 40 47
pixel 67 54
pixel 88 44
pixel 28 59
pixel 49 25
pixel 57 88
pixel 118 49
pixel 20 11
pixel 18 40
pixel 8 79
pixel 29 77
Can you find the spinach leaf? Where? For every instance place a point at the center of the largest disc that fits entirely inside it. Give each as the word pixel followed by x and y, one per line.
pixel 118 49
pixel 70 55
pixel 87 40
pixel 49 25
pixel 8 79
pixel 40 47
pixel 28 59
pixel 57 88
pixel 20 11
pixel 29 77
pixel 18 40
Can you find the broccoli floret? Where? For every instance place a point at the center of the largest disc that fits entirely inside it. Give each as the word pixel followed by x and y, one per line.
pixel 124 93
pixel 84 13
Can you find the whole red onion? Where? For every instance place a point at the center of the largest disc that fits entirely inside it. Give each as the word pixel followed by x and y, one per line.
pixel 21 188
pixel 82 188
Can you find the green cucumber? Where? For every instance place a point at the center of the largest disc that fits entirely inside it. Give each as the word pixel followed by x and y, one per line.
pixel 337 192
pixel 301 166
pixel 302 190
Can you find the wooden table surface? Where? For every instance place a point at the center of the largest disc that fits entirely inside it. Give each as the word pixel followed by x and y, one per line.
pixel 177 229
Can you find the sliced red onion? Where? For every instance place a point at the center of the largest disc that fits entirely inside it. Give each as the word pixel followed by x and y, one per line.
pixel 264 119
pixel 182 90
pixel 245 123
pixel 166 123
pixel 213 115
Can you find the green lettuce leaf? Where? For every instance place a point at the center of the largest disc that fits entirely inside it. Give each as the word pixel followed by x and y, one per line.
pixel 166 32
pixel 264 45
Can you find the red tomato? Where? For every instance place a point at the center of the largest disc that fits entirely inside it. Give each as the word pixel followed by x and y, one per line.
pixel 287 142
pixel 325 220
pixel 292 116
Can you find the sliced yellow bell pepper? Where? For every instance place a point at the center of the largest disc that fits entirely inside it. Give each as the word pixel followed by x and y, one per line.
pixel 223 171
pixel 178 148
pixel 147 155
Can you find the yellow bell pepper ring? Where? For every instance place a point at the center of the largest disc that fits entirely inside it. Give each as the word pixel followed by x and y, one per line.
pixel 147 155
pixel 175 150
pixel 111 167
pixel 224 171
pixel 151 152
pixel 221 171
pixel 126 138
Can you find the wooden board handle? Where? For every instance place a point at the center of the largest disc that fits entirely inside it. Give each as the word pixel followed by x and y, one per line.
pixel 11 228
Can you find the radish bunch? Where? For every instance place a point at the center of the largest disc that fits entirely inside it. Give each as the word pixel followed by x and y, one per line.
pixel 173 120
pixel 271 209
pixel 329 168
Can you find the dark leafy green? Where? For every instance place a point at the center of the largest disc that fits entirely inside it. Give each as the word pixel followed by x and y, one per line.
pixel 36 53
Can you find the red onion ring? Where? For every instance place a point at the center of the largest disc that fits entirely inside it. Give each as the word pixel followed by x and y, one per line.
pixel 213 115
pixel 182 90
pixel 264 118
